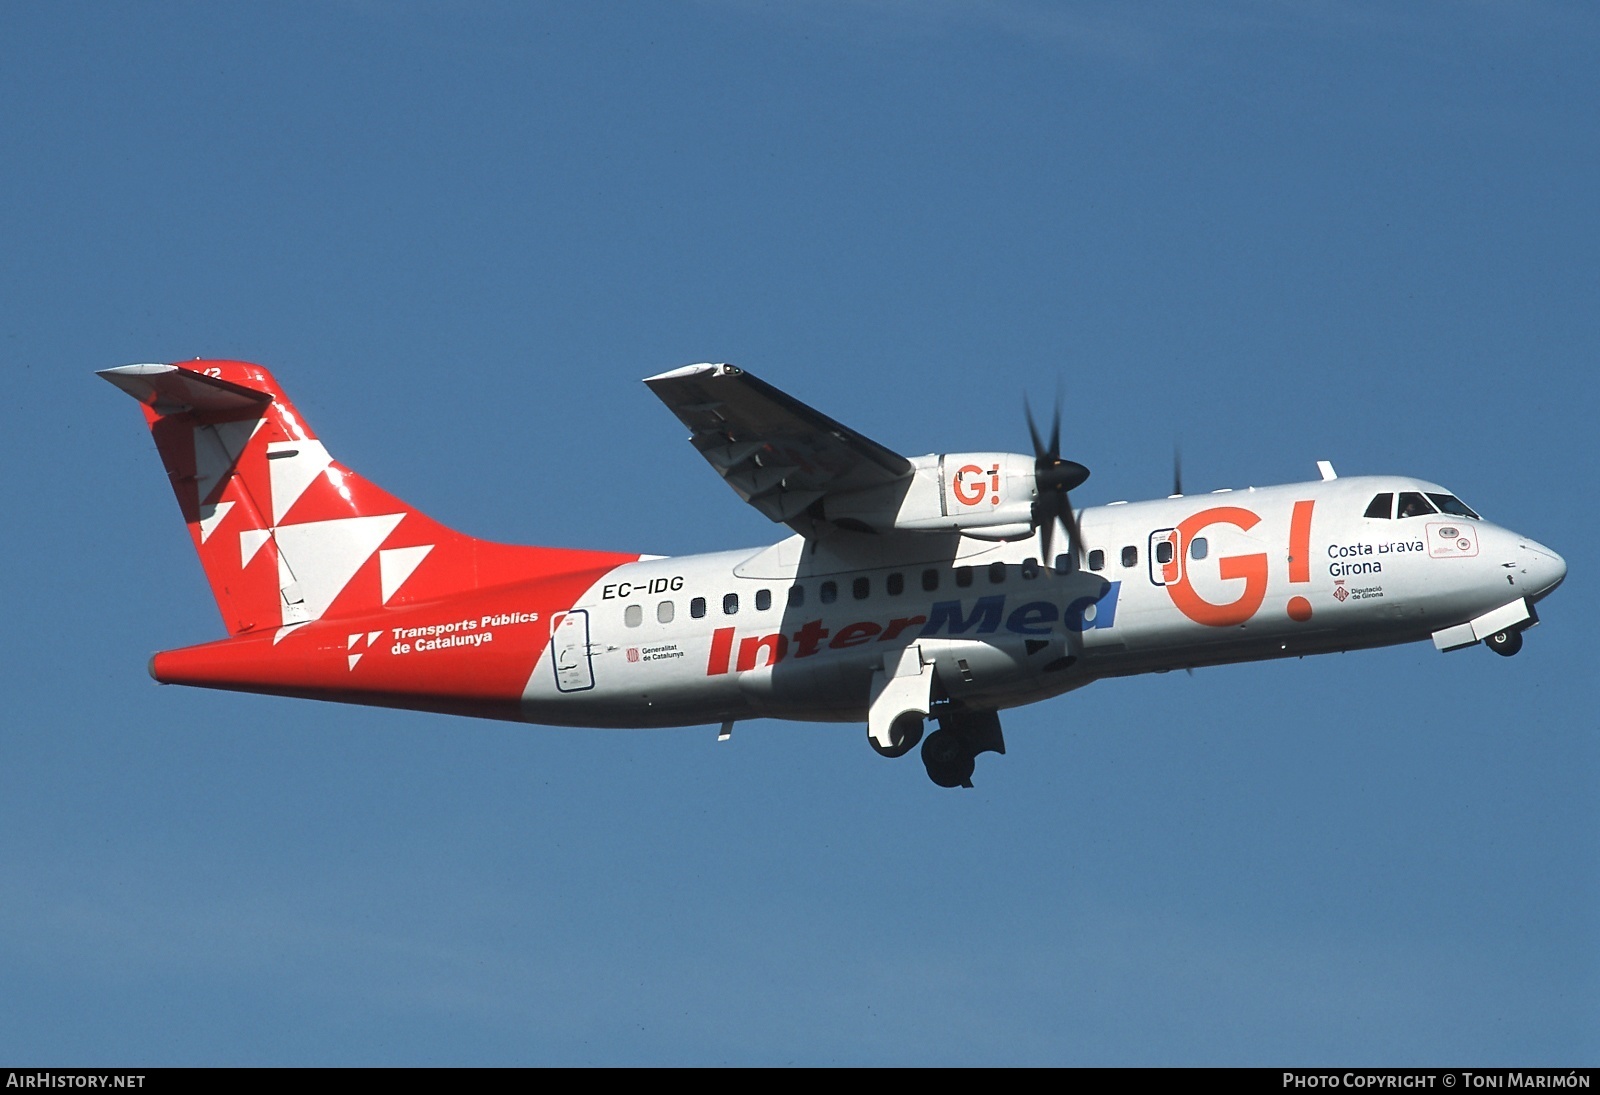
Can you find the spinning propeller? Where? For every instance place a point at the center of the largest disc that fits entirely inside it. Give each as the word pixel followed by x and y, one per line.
pixel 1054 477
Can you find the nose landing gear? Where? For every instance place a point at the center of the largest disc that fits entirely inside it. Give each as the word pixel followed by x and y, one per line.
pixel 1505 643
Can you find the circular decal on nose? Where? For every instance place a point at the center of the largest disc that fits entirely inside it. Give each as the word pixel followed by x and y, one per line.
pixel 1463 543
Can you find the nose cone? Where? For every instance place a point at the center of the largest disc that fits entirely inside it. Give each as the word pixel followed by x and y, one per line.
pixel 1543 567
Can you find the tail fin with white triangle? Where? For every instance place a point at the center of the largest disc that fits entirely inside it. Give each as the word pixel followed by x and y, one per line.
pixel 286 534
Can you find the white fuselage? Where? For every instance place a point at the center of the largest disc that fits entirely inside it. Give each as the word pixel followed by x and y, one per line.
pixel 797 630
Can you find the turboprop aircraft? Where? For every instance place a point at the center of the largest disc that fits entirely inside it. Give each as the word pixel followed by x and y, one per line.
pixel 946 587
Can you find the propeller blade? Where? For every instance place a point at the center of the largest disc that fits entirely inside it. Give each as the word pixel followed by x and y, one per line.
pixel 1033 431
pixel 1074 535
pixel 1177 470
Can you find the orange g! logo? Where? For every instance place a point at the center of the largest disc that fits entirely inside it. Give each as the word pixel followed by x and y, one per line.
pixel 969 485
pixel 1251 568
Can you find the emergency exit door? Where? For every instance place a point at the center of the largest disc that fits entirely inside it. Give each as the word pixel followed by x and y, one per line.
pixel 569 637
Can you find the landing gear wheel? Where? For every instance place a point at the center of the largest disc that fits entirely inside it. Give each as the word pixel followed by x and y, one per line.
pixel 949 759
pixel 906 731
pixel 1505 643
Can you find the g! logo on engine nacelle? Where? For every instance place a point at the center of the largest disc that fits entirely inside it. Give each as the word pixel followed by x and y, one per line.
pixel 972 483
pixel 1251 568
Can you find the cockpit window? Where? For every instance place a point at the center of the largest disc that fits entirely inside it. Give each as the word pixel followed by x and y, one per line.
pixel 1455 507
pixel 1412 504
pixel 1382 506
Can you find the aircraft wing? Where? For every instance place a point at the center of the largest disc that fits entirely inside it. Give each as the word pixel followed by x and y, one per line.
pixel 778 454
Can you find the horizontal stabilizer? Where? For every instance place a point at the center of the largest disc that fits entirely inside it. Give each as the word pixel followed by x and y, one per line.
pixel 171 389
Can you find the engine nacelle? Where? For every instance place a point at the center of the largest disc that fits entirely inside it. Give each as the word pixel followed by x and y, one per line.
pixel 989 495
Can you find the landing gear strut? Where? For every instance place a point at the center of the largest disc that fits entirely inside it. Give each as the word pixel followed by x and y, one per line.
pixel 1505 643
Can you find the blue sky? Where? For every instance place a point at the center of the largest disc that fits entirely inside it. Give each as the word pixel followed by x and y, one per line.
pixel 461 234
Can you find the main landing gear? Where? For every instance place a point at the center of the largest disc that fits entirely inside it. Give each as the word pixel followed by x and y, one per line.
pixel 949 760
pixel 950 753
pixel 1505 643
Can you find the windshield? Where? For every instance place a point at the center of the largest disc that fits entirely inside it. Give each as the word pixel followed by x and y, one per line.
pixel 1412 504
pixel 1455 507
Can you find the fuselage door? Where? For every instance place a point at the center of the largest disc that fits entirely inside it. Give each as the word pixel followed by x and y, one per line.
pixel 1166 557
pixel 569 642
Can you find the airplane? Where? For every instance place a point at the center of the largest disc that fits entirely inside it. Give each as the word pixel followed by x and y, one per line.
pixel 942 588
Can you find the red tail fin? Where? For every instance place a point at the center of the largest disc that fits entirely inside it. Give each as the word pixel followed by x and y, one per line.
pixel 286 534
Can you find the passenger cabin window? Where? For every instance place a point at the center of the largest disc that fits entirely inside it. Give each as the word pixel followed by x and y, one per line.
pixel 1030 569
pixel 896 584
pixel 633 615
pixel 861 589
pixel 664 612
pixel 1063 563
pixel 797 596
pixel 829 592
pixel 730 603
pixel 963 577
pixel 697 608
pixel 1097 559
pixel 1455 507
pixel 1199 547
pixel 930 580
pixel 1164 552
pixel 763 599
pixel 1381 506
pixel 1130 556
pixel 1412 504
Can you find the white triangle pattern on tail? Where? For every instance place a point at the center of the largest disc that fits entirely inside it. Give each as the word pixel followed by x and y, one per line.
pixel 325 555
pixel 396 564
pixel 211 516
pixel 216 451
pixel 250 541
pixel 293 467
